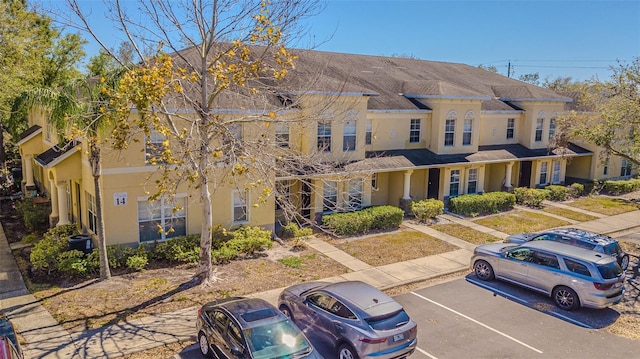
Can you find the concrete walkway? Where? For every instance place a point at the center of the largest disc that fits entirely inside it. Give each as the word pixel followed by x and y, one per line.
pixel 46 339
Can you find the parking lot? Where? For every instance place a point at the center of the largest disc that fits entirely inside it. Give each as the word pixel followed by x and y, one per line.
pixel 465 318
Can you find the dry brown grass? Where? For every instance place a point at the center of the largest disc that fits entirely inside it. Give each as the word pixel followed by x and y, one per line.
pixel 604 205
pixel 519 221
pixel 465 233
pixel 567 213
pixel 393 247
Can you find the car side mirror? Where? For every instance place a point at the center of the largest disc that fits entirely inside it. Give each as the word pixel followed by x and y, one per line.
pixel 237 352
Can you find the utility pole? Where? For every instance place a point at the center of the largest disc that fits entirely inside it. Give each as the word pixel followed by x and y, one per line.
pixel 509 69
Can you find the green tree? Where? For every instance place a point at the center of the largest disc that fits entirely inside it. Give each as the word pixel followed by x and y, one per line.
pixel 490 68
pixel 533 78
pixel 613 117
pixel 235 55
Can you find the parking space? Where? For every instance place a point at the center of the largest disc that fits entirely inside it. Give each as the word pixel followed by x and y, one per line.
pixel 460 318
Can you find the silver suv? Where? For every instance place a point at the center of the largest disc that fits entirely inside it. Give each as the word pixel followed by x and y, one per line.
pixel 577 237
pixel 573 277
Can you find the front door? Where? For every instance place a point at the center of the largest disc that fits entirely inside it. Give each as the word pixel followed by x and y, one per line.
pixel 525 174
pixel 433 188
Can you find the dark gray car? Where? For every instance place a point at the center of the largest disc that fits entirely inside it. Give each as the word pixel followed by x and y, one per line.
pixel 579 238
pixel 354 318
pixel 249 328
pixel 571 276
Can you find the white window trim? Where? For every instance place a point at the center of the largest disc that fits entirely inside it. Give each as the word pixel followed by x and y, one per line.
pixel 233 206
pixel 146 199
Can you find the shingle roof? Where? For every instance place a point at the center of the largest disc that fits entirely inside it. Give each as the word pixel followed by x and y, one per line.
pixel 55 153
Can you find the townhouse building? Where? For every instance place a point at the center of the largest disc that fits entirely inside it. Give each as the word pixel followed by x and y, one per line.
pixel 400 130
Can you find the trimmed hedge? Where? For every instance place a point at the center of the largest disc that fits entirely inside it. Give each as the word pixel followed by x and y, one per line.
pixel 623 186
pixel 427 209
pixel 530 197
pixel 576 189
pixel 364 221
pixel 477 204
pixel 557 193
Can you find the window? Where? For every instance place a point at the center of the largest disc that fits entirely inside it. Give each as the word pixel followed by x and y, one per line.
pixel 576 267
pixel 349 136
pixel 543 172
pixel 539 127
pixel 91 212
pixel 552 127
pixel 354 201
pixel 454 183
pixel 625 169
pixel 472 181
pixel 155 147
pixel 47 131
pixel 466 132
pixel 555 177
pixel 374 181
pixel 324 136
pixel 367 137
pixel 162 219
pixel 240 206
pixel 449 132
pixel 605 169
pixel 330 195
pixel 511 128
pixel 544 259
pixel 414 131
pixel 283 193
pixel 282 135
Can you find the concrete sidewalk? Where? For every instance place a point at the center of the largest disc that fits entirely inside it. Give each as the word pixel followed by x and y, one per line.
pixel 46 339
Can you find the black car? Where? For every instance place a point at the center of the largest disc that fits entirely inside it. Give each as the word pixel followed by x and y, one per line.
pixel 241 327
pixel 579 238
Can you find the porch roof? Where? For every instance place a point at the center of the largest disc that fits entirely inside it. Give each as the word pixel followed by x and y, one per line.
pixel 55 154
pixel 405 159
pixel 27 134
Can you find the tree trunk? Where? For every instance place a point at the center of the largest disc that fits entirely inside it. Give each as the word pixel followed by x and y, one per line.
pixel 105 271
pixel 205 265
pixel 3 157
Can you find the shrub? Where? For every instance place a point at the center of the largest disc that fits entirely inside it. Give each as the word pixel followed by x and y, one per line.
pixel 183 249
pixel 427 209
pixel 363 221
pixel 72 263
pixel 137 262
pixel 250 240
pixel 623 186
pixel 576 189
pixel 224 254
pixel 45 254
pixel 118 255
pixel 291 230
pixel 35 216
pixel 476 204
pixel 530 197
pixel 557 193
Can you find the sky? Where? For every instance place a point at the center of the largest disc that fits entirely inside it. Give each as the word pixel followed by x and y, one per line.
pixel 565 38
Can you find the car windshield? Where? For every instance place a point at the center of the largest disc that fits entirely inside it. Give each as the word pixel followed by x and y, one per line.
pixel 610 271
pixel 612 248
pixel 389 321
pixel 277 340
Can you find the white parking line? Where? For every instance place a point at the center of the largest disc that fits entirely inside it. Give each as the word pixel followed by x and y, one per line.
pixel 477 322
pixel 425 353
pixel 517 299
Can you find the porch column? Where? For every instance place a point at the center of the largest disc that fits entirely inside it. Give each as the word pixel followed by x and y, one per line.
pixel 63 210
pixel 507 176
pixel 28 169
pixel 54 200
pixel 407 184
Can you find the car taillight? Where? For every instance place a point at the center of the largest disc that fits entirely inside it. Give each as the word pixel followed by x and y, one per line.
pixel 199 311
pixel 602 286
pixel 413 330
pixel 373 341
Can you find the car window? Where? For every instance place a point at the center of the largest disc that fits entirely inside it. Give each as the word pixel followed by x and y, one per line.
pixel 235 334
pixel 545 237
pixel 341 310
pixel 610 271
pixel 220 320
pixel 577 267
pixel 565 240
pixel 544 259
pixel 388 321
pixel 321 300
pixel 612 248
pixel 586 245
pixel 521 254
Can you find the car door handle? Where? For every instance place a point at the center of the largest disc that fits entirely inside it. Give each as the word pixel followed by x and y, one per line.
pixel 338 327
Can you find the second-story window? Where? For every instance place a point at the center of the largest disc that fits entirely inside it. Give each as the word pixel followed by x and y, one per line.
pixel 154 148
pixel 605 169
pixel 511 128
pixel 282 135
pixel 454 183
pixel 472 181
pixel 539 127
pixel 414 131
pixel 544 168
pixel 449 132
pixel 625 169
pixel 324 136
pixel 349 136
pixel 367 137
pixel 552 127
pixel 467 131
pixel 330 196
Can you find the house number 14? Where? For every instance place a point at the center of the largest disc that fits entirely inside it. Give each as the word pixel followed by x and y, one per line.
pixel 120 198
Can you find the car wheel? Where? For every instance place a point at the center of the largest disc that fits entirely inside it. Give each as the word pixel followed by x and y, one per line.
pixel 203 343
pixel 566 298
pixel 624 263
pixel 346 352
pixel 483 270
pixel 286 311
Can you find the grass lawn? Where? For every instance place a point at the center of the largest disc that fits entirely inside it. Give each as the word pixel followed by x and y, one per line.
pixel 605 205
pixel 465 233
pixel 567 213
pixel 394 247
pixel 519 221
